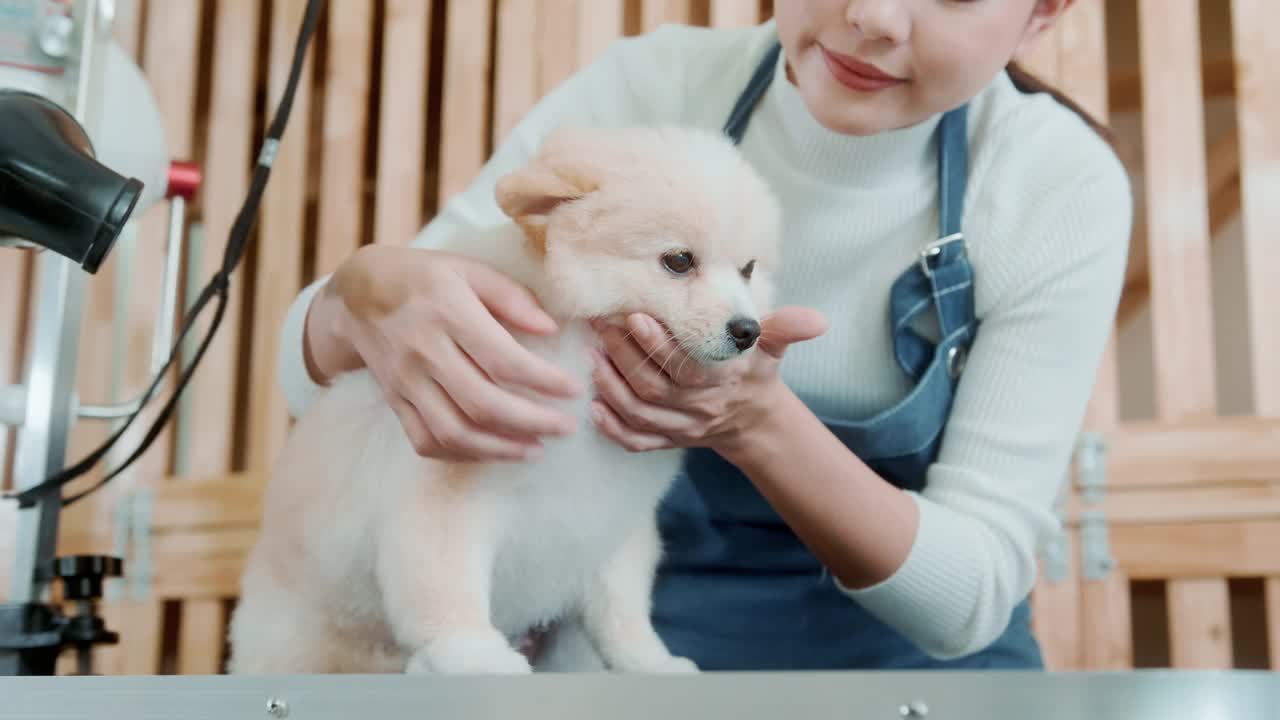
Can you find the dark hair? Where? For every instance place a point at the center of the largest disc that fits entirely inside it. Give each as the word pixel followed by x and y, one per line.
pixel 1028 83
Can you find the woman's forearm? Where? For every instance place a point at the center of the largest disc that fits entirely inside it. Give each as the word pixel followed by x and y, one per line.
pixel 858 525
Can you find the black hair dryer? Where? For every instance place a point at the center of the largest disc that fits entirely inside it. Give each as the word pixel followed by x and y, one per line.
pixel 54 194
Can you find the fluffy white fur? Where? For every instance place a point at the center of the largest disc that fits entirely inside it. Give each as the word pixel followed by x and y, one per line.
pixel 374 559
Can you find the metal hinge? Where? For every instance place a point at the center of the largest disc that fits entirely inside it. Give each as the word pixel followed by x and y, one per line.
pixel 132 542
pixel 1091 476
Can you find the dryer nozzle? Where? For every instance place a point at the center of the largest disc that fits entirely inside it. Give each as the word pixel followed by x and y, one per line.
pixel 53 192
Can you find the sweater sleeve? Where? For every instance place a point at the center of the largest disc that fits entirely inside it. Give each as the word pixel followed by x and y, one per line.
pixel 1021 401
pixel 631 82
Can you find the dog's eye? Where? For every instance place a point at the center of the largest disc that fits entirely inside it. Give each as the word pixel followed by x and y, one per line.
pixel 678 263
pixel 747 269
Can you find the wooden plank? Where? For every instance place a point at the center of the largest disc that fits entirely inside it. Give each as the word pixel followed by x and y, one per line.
pixel 734 13
pixel 1223 173
pixel 15 291
pixel 558 42
pixel 1271 594
pixel 1177 209
pixel 1200 624
pixel 141 627
pixel 1181 292
pixel 1125 96
pixel 1152 507
pixel 402 121
pixel 1257 113
pixel 655 13
pixel 201 637
pixel 1108 633
pixel 229 149
pixel 1195 451
pixel 206 504
pixel 600 23
pixel 1193 551
pixel 515 86
pixel 464 116
pixel 346 132
pixel 222 554
pixel 1082 47
pixel 1257 52
pixel 279 249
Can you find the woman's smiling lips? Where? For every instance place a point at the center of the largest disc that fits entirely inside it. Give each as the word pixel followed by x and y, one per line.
pixel 857 75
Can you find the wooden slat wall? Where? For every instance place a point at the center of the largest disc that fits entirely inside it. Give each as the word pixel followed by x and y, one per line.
pixel 1258 107
pixel 401 103
pixel 1181 292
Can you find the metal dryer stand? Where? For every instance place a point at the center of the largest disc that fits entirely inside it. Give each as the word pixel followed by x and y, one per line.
pixel 33 630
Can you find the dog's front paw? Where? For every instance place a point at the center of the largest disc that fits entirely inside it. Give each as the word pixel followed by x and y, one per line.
pixel 656 664
pixel 469 653
pixel 675 666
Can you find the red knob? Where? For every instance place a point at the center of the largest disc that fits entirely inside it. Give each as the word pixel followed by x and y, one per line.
pixel 184 180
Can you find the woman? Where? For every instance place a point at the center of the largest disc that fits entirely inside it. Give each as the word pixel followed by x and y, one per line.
pixel 954 252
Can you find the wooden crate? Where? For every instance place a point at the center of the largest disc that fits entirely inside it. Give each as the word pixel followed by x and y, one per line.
pixel 402 102
pixel 1172 515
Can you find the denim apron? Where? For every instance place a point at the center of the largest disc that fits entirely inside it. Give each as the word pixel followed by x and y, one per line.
pixel 737 590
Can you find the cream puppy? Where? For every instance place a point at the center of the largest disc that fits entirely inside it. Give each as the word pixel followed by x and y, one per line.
pixel 374 559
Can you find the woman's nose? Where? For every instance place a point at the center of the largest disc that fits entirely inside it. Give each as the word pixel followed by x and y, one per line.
pixel 888 20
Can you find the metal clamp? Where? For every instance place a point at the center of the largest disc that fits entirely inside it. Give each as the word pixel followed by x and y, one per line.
pixel 1091 472
pixel 934 249
pixel 957 355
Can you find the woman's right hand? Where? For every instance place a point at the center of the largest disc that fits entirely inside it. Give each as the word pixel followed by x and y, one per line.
pixel 427 326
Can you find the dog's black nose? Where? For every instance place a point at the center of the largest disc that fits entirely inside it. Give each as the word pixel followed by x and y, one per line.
pixel 744 332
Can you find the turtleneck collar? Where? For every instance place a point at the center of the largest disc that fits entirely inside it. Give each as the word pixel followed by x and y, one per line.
pixel 891 158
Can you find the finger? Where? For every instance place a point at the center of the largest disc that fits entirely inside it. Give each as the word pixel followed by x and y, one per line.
pixel 504 359
pixel 452 435
pixel 633 411
pixel 790 325
pixel 508 299
pixel 411 422
pixel 636 367
pixel 612 427
pixel 657 343
pixel 489 406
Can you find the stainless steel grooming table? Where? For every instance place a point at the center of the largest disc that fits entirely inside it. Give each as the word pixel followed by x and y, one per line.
pixel 951 695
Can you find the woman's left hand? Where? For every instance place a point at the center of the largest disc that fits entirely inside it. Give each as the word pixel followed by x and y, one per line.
pixel 650 395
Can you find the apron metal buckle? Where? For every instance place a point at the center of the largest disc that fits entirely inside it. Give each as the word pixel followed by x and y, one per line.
pixel 934 249
pixel 956 357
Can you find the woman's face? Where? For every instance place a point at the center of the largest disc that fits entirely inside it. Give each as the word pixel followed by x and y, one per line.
pixel 863 66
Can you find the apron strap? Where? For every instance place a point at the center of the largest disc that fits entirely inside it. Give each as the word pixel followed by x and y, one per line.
pixel 736 126
pixel 942 277
pixel 953 169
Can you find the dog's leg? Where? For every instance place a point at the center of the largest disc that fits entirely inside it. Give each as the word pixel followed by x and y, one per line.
pixel 568 648
pixel 616 613
pixel 434 567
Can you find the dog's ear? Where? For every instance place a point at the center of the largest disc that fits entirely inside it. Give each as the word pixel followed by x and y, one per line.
pixel 532 192
pixel 560 172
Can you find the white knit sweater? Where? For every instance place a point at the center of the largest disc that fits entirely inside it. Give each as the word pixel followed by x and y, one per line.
pixel 1047 218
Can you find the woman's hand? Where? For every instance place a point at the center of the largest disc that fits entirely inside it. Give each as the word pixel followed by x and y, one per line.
pixel 651 395
pixel 426 325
